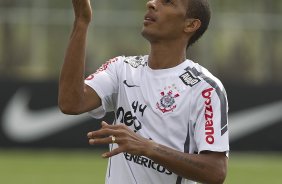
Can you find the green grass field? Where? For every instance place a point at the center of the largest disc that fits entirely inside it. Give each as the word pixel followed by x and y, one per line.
pixel 87 167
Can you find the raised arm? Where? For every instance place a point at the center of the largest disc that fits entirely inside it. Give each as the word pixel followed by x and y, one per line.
pixel 74 96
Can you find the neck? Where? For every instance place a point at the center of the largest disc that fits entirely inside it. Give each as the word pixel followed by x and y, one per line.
pixel 164 56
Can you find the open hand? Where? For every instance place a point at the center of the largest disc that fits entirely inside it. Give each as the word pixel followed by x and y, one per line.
pixel 127 140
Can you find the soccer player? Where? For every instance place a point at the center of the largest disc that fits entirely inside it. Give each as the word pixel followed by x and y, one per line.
pixel 170 122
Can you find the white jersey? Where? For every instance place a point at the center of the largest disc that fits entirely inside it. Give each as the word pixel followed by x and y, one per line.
pixel 184 108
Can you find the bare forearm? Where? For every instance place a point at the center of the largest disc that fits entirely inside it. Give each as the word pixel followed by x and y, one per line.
pixel 197 167
pixel 207 167
pixel 71 85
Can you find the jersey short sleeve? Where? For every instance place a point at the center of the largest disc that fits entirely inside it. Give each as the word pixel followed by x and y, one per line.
pixel 211 122
pixel 105 82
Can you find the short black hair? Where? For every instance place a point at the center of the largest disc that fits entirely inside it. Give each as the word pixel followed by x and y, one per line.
pixel 199 9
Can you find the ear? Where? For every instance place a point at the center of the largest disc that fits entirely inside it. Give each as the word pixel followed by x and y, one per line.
pixel 192 25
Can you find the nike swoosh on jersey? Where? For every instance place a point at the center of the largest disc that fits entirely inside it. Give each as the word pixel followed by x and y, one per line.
pixel 128 85
pixel 24 125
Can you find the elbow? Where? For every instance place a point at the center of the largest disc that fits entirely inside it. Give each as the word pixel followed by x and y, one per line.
pixel 220 171
pixel 219 176
pixel 68 109
pixel 220 179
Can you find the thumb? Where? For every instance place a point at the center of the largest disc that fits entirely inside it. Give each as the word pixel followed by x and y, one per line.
pixel 104 124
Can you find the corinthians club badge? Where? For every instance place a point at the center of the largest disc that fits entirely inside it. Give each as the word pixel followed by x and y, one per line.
pixel 167 101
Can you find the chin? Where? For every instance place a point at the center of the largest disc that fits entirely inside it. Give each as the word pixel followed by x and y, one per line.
pixel 147 35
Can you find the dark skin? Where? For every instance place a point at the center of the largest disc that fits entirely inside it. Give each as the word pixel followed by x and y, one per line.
pixel 168 31
pixel 207 167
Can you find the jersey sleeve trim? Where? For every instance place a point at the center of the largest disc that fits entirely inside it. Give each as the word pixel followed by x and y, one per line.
pixel 99 112
pixel 221 94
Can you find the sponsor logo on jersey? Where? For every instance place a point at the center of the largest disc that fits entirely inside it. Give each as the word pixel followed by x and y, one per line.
pixel 129 118
pixel 167 101
pixel 189 79
pixel 146 162
pixel 209 129
pixel 135 61
pixel 102 68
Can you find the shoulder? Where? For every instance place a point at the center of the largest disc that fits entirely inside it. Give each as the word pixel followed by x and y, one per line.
pixel 205 77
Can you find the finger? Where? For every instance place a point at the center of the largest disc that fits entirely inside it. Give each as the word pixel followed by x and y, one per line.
pixel 89 135
pixel 104 124
pixel 114 127
pixel 112 153
pixel 102 133
pixel 92 135
pixel 108 130
pixel 106 140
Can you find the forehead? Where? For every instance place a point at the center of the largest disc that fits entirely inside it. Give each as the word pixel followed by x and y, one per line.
pixel 183 3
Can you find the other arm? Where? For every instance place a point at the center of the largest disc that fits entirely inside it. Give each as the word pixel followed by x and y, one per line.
pixel 207 167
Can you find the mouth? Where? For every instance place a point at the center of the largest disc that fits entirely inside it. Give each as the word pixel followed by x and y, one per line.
pixel 149 18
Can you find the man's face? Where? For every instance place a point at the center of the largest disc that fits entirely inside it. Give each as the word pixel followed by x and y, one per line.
pixel 164 20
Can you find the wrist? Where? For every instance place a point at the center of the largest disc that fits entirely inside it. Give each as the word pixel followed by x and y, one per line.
pixel 81 23
pixel 150 146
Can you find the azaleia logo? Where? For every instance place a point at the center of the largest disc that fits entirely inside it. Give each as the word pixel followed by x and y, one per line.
pixel 209 130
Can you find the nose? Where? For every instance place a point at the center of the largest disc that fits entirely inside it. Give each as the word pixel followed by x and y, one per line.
pixel 151 4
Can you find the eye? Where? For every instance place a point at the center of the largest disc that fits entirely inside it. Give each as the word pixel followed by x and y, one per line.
pixel 168 1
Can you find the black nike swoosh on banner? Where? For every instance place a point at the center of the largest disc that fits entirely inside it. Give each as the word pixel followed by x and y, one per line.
pixel 128 85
